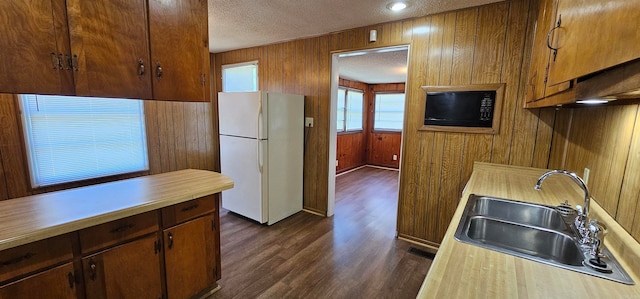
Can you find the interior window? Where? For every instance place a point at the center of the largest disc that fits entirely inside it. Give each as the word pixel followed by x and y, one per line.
pixel 240 77
pixel 77 138
pixel 388 112
pixel 350 109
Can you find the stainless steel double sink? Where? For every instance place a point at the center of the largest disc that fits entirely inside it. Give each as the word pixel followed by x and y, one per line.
pixel 532 231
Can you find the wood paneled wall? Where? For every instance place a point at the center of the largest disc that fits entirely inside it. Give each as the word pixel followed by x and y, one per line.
pixel 179 136
pixel 478 45
pixel 607 141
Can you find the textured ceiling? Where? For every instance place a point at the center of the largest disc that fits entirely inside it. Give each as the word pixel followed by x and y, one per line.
pixel 375 67
pixel 237 24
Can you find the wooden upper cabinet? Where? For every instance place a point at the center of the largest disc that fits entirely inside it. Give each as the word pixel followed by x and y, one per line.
pixel 110 49
pixel 179 49
pixel 594 35
pixel 35 46
pixel 541 53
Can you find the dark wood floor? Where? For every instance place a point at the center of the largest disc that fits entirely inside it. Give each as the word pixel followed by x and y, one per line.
pixel 353 254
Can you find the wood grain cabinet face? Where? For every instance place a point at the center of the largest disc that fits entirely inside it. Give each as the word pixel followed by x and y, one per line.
pixel 35 256
pixel 109 48
pixel 190 257
pixel 180 49
pixel 114 232
pixel 594 35
pixel 131 270
pixel 35 44
pixel 56 283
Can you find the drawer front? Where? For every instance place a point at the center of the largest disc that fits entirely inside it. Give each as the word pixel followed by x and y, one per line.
pixel 34 256
pixel 188 210
pixel 114 232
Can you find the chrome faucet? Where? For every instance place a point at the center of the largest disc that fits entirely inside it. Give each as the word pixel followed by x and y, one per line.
pixel 583 213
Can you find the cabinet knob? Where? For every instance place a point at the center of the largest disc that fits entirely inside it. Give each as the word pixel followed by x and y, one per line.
pixel 141 69
pixel 158 70
pixel 170 243
pixel 93 270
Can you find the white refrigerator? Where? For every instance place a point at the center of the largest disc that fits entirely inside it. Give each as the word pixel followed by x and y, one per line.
pixel 261 149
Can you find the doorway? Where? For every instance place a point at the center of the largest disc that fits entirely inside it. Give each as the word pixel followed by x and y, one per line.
pixel 367 114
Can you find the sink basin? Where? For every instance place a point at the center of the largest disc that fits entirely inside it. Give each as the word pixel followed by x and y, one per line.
pixel 546 244
pixel 520 212
pixel 530 231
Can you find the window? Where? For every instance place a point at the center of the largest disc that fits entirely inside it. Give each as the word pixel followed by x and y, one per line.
pixel 388 112
pixel 350 108
pixel 77 138
pixel 240 77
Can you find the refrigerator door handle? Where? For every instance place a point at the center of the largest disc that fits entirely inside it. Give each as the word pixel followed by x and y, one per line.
pixel 258 146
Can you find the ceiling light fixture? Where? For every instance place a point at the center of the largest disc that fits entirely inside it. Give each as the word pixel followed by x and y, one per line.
pixel 397 6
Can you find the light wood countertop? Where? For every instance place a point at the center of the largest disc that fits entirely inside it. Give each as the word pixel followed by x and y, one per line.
pixel 461 270
pixel 32 218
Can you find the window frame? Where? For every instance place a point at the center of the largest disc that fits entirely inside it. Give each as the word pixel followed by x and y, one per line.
pixel 344 129
pixel 26 133
pixel 240 64
pixel 373 114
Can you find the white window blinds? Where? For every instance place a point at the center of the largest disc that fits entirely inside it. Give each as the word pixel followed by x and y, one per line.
pixel 77 138
pixel 389 111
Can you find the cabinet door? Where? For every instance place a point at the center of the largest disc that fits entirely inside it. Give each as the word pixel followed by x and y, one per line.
pixel 58 282
pixel 594 35
pixel 110 48
pixel 541 53
pixel 131 270
pixel 179 49
pixel 190 257
pixel 35 45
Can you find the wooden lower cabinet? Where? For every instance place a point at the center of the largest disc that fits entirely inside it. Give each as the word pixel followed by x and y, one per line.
pixel 131 270
pixel 56 283
pixel 190 257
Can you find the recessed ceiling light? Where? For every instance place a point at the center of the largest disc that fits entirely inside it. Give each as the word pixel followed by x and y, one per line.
pixel 592 101
pixel 397 6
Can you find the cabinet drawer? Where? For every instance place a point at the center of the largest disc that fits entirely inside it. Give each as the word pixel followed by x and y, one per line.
pixel 114 232
pixel 34 256
pixel 181 212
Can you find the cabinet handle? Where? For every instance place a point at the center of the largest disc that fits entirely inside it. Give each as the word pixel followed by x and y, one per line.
pixel 54 60
pixel 93 271
pixel 189 208
pixel 158 70
pixel 121 228
pixel 69 61
pixel 170 244
pixel 74 62
pixel 555 50
pixel 16 260
pixel 72 279
pixel 140 67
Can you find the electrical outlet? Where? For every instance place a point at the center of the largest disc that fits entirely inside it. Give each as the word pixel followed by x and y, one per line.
pixel 585 175
pixel 308 122
pixel 336 163
pixel 395 157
